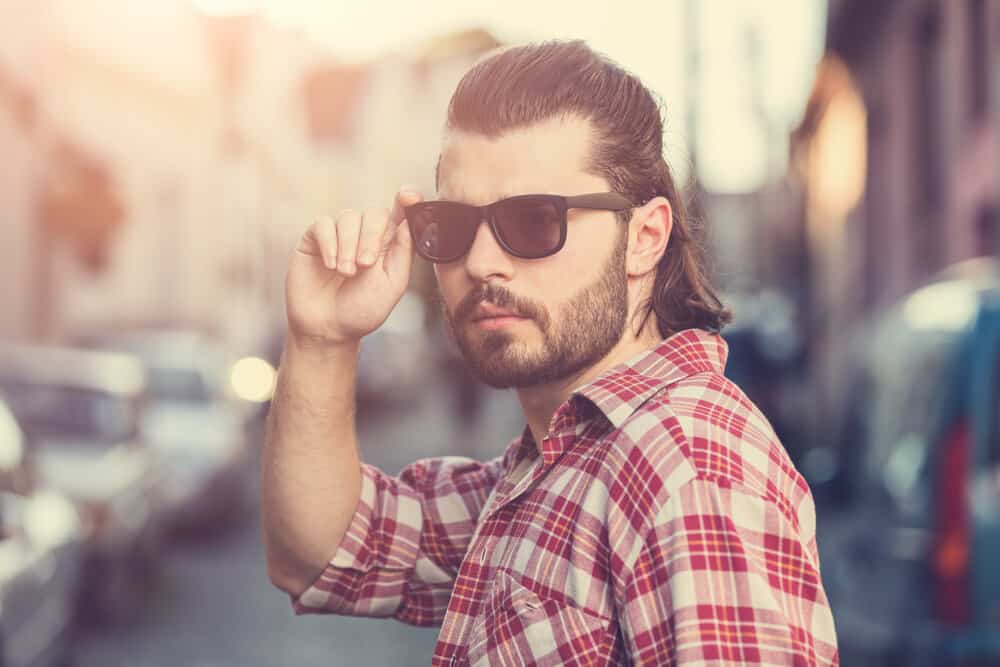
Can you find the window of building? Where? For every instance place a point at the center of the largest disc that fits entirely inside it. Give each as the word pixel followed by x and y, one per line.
pixel 929 169
pixel 928 89
pixel 988 231
pixel 978 55
pixel 876 214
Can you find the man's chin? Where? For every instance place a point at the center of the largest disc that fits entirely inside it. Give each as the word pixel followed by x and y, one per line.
pixel 486 349
pixel 515 376
pixel 493 361
pixel 514 338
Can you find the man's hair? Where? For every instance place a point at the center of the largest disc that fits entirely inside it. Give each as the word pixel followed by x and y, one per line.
pixel 520 86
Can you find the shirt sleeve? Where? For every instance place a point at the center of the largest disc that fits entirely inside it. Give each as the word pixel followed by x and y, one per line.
pixel 401 553
pixel 724 577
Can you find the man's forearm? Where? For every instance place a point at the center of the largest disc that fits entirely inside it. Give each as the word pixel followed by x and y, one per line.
pixel 310 476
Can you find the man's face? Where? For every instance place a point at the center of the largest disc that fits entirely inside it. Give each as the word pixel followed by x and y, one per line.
pixel 569 309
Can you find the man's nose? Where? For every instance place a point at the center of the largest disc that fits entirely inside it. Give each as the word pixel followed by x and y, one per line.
pixel 486 259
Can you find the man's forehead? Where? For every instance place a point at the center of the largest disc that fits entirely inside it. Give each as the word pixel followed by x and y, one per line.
pixel 550 157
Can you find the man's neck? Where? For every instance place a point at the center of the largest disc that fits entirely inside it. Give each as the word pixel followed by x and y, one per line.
pixel 540 402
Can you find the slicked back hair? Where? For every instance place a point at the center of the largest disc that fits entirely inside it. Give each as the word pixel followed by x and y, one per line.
pixel 520 86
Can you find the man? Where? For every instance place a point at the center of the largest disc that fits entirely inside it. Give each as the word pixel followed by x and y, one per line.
pixel 647 514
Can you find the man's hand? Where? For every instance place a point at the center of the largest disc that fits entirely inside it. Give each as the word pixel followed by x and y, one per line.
pixel 348 272
pixel 345 277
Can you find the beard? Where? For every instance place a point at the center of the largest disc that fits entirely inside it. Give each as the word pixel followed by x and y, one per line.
pixel 590 326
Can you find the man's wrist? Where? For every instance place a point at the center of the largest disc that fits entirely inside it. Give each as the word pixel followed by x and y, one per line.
pixel 318 370
pixel 319 349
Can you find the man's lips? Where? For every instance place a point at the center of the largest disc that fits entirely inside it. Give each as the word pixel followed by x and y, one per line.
pixel 487 316
pixel 485 312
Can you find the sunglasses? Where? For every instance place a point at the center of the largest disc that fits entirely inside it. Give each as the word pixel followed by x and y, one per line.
pixel 526 226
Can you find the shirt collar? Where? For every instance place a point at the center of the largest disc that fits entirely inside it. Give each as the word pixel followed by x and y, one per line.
pixel 621 390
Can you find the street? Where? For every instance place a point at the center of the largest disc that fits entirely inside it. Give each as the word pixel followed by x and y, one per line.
pixel 213 605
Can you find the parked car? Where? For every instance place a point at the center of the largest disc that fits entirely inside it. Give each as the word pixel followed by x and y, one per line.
pixel 910 539
pixel 399 359
pixel 81 411
pixel 40 559
pixel 766 355
pixel 396 360
pixel 196 419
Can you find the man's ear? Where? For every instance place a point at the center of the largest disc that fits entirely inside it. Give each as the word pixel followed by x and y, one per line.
pixel 649 234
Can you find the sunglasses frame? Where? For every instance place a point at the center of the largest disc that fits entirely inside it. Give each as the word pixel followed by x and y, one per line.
pixel 595 201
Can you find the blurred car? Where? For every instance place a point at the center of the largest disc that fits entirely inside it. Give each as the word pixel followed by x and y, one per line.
pixel 81 411
pixel 766 355
pixel 196 417
pixel 395 361
pixel 911 547
pixel 40 559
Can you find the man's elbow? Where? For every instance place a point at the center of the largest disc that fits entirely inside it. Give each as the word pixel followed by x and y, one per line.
pixel 289 578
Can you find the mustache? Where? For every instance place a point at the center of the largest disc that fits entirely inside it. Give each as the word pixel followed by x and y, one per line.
pixel 498 296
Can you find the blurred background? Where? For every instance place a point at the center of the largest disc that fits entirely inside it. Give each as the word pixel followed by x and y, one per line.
pixel 162 157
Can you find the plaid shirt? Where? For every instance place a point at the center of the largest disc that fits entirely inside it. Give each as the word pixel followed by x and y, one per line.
pixel 660 522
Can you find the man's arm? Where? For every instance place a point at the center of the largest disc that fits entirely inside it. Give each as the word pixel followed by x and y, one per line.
pixel 724 577
pixel 342 537
pixel 405 544
pixel 344 278
pixel 311 471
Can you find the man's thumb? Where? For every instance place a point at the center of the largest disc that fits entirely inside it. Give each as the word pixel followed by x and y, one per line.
pixel 405 197
pixel 399 258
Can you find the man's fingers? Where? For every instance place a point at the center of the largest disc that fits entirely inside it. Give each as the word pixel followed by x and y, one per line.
pixel 324 232
pixel 354 239
pixel 399 259
pixel 373 227
pixel 348 232
pixel 406 196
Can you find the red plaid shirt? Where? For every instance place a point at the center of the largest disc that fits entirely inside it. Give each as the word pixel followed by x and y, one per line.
pixel 662 524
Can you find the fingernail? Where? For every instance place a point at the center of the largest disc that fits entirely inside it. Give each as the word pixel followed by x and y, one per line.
pixel 367 258
pixel 346 267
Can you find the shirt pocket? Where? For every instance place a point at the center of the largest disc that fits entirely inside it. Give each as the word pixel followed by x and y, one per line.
pixel 517 627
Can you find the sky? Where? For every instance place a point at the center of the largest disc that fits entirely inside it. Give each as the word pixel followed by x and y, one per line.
pixel 743 107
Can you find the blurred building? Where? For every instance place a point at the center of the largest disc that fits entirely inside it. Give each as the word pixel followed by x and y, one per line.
pixel 163 162
pixel 156 161
pixel 125 130
pixel 18 190
pixel 897 155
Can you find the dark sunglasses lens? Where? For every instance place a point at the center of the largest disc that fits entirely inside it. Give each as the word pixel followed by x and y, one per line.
pixel 531 228
pixel 442 231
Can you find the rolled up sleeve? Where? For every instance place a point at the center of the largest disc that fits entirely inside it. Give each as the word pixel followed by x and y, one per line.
pixel 401 553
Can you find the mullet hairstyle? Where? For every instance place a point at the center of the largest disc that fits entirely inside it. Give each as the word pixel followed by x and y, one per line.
pixel 520 86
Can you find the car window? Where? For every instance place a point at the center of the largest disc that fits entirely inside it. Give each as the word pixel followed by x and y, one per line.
pixel 178 384
pixel 52 410
pixel 910 371
pixel 180 367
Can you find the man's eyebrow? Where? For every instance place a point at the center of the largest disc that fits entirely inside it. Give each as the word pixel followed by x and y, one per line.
pixel 463 200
